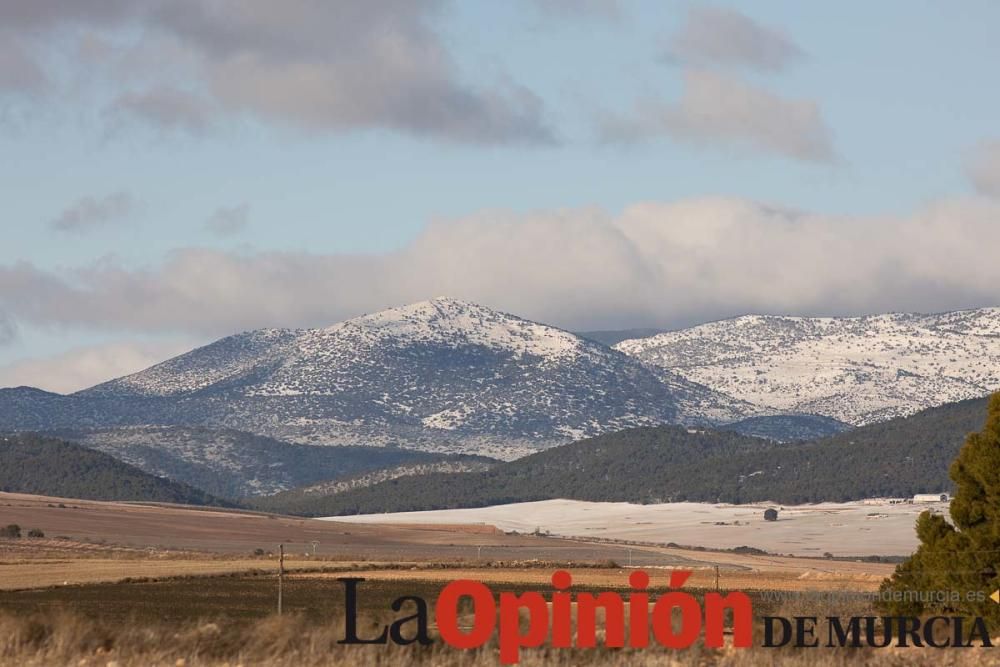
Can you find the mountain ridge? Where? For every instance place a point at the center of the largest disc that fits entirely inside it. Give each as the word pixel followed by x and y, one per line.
pixel 448 376
pixel 858 370
pixel 441 375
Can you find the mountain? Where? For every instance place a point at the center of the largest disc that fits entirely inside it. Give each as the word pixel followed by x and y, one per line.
pixel 896 458
pixel 441 375
pixel 614 336
pixel 859 370
pixel 234 464
pixel 31 463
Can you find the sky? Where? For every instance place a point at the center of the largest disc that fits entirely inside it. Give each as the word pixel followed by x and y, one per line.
pixel 176 171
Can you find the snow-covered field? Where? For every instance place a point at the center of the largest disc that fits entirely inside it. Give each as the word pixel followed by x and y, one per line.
pixel 842 529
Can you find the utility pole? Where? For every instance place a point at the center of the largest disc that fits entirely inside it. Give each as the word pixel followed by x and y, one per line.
pixel 314 543
pixel 281 573
pixel 716 578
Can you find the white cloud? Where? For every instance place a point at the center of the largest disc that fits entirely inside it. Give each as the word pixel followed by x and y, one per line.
pixel 719 110
pixel 227 221
pixel 983 168
pixel 715 36
pixel 323 65
pixel 84 367
pixel 88 212
pixel 655 263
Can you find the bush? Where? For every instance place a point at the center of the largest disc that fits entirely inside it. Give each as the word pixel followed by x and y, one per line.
pixel 10 530
pixel 35 532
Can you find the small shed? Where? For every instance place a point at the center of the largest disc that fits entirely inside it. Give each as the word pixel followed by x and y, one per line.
pixel 770 514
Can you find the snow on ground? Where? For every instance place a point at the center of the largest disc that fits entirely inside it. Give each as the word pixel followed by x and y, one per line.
pixel 842 529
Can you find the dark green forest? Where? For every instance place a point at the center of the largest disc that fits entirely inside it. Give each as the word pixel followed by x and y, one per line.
pixel 896 458
pixel 31 463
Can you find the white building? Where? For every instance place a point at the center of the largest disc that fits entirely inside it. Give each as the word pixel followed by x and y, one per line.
pixel 930 498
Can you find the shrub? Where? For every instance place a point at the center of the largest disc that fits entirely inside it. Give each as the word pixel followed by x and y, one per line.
pixel 35 532
pixel 10 530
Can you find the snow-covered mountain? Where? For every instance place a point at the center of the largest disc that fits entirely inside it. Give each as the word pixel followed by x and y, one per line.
pixel 856 369
pixel 440 375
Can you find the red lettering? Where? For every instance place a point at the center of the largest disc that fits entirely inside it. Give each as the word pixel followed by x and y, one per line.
pixel 586 620
pixel 562 610
pixel 638 610
pixel 511 639
pixel 446 614
pixel 663 626
pixel 715 617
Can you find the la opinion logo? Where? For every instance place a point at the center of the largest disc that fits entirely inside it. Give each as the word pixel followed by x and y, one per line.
pixel 553 618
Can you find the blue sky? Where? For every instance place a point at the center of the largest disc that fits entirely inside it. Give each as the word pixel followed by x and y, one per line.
pixel 192 161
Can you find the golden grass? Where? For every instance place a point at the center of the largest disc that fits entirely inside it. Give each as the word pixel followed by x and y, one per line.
pixel 59 638
pixel 42 574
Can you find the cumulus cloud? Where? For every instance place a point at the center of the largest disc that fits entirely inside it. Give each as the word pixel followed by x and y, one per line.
pixel 653 264
pixel 84 367
pixel 720 110
pixel 715 36
pixel 314 64
pixel 983 168
pixel 89 212
pixel 227 221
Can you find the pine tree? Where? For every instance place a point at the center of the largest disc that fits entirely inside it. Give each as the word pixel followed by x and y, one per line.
pixel 964 555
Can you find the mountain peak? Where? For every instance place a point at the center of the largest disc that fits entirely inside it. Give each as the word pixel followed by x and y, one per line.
pixel 440 306
pixel 453 323
pixel 437 366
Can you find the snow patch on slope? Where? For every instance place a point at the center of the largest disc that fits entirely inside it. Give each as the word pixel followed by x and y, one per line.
pixel 856 369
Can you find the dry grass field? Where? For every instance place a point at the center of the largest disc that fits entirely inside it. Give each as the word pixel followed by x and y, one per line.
pixel 122 585
pixel 131 529
pixel 216 621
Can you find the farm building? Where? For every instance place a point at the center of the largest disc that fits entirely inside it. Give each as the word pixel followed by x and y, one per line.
pixel 930 498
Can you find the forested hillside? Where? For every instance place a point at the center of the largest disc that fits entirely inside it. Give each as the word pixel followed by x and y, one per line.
pixel 648 465
pixel 47 466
